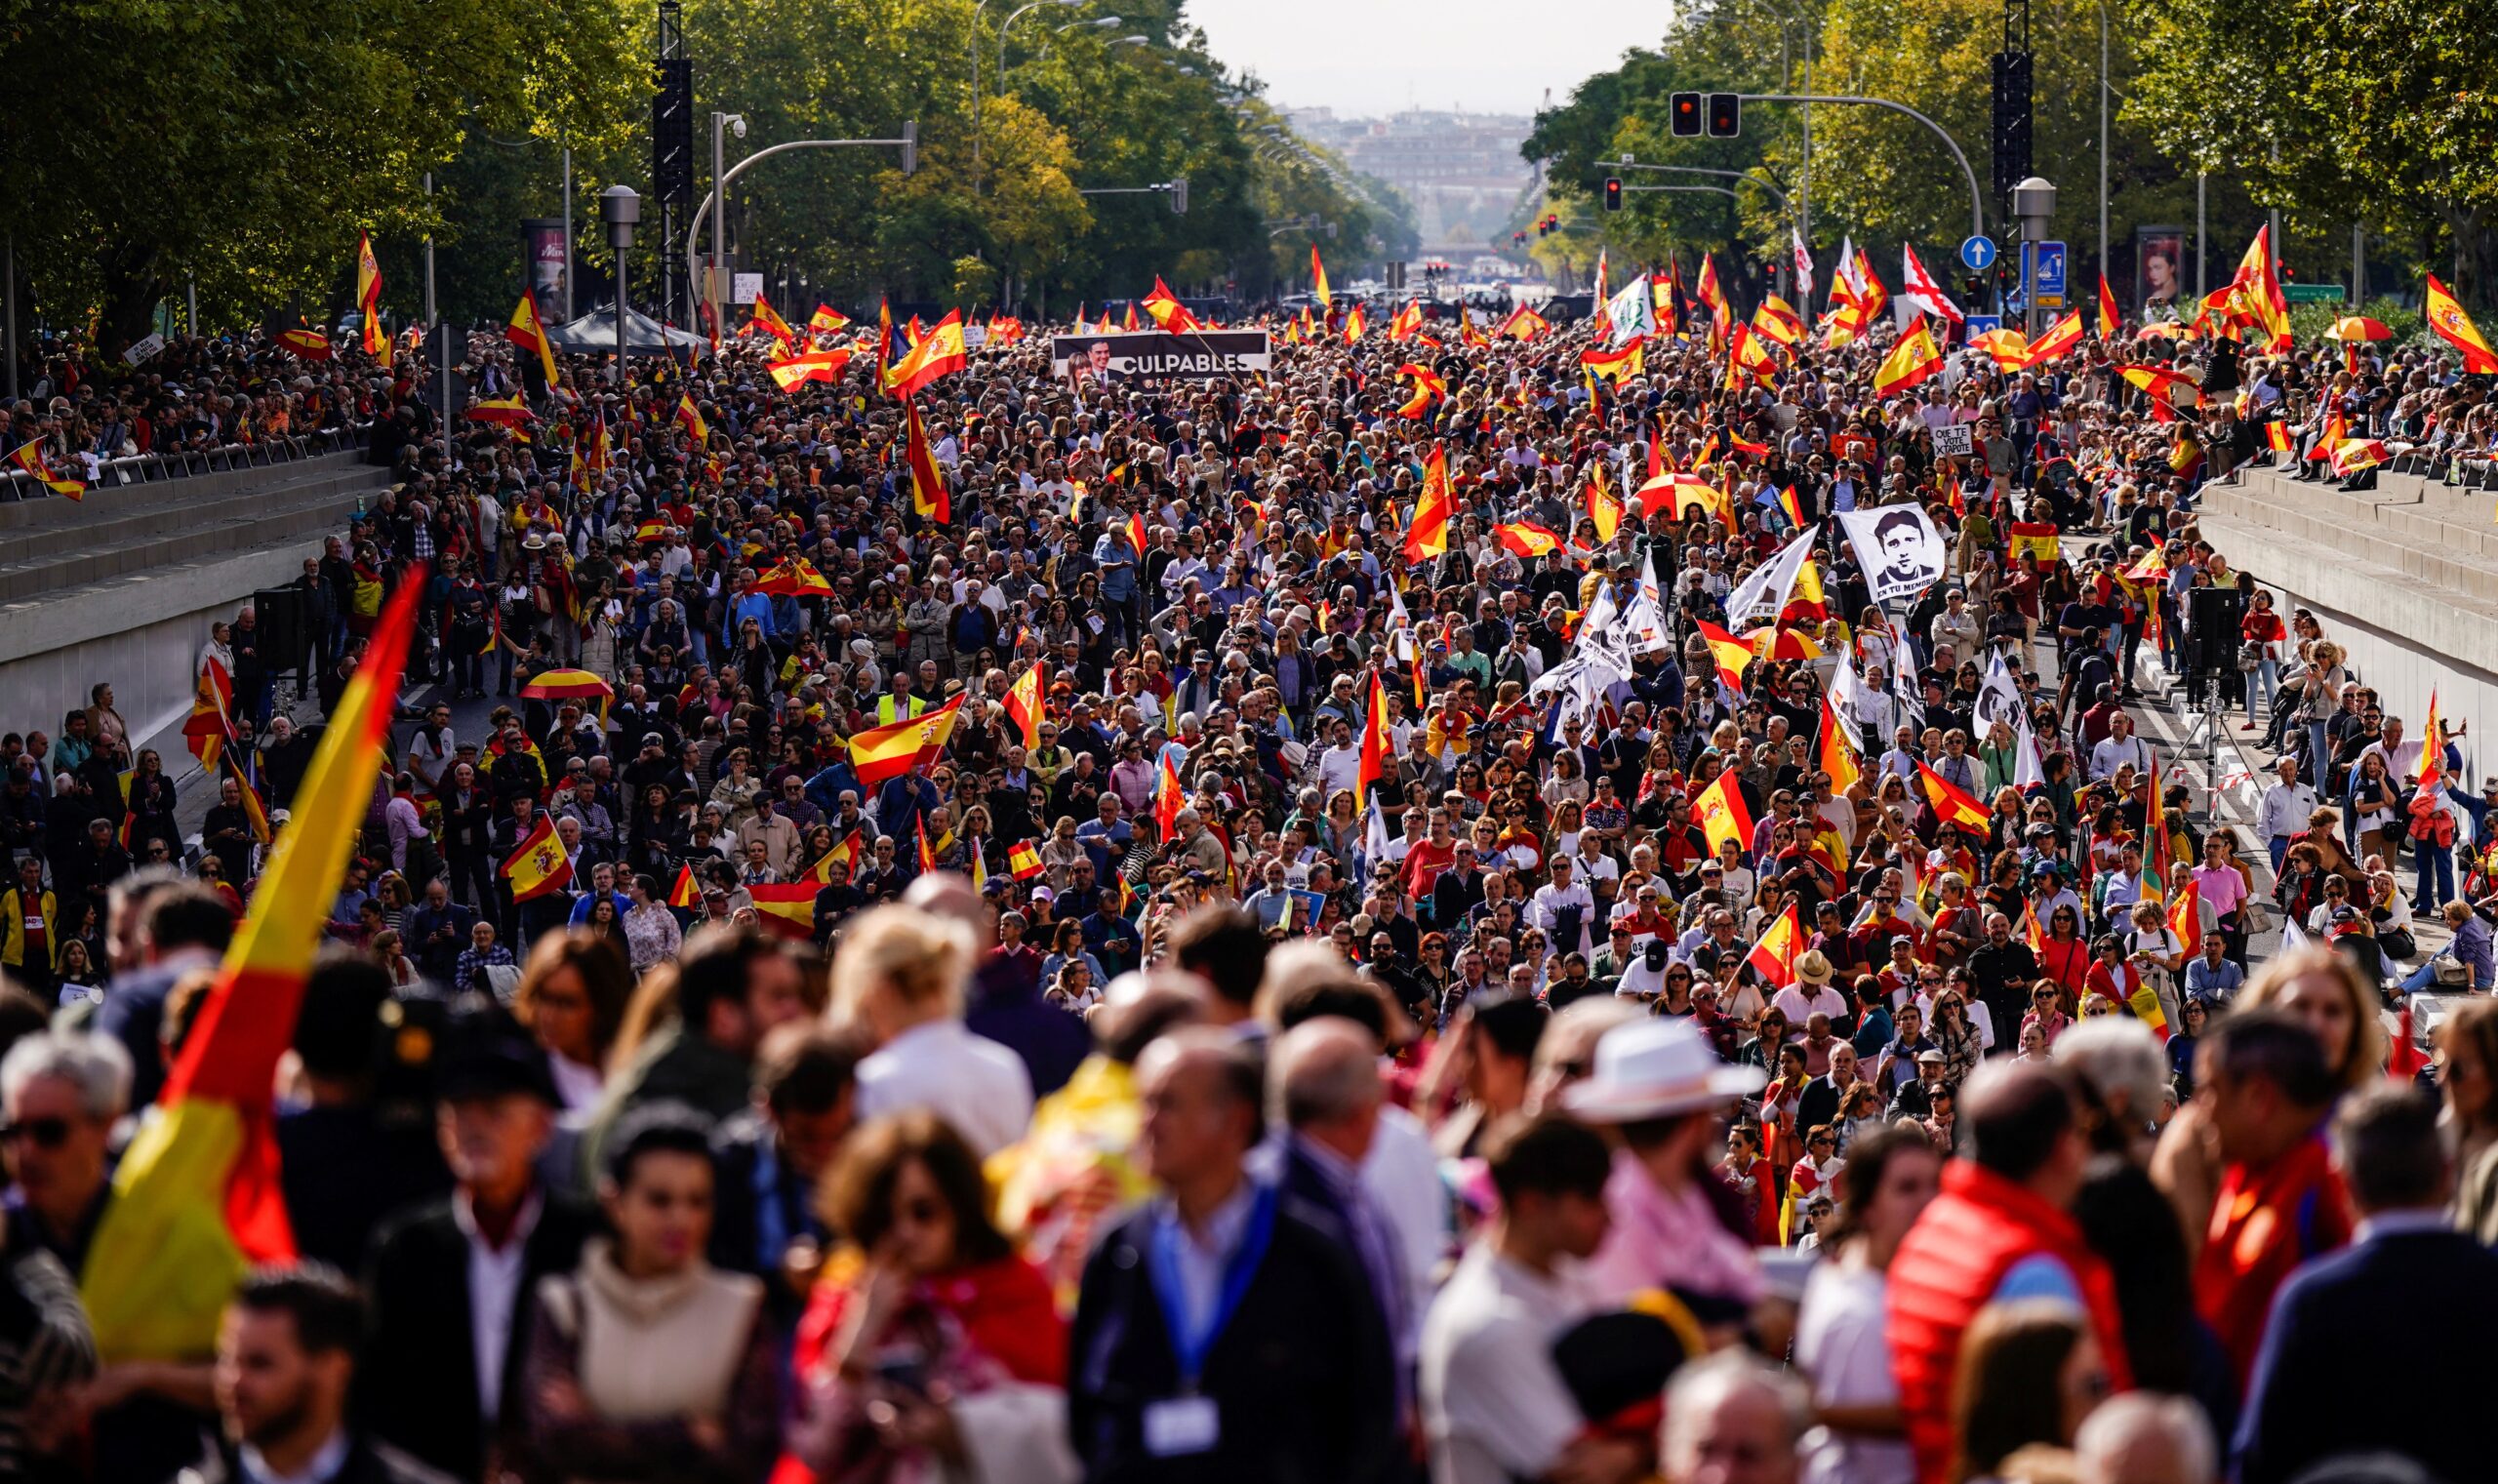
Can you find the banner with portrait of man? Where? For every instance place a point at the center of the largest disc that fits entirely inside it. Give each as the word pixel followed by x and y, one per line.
pixel 1197 355
pixel 1901 552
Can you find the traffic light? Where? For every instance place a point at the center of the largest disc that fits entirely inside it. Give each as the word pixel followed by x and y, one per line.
pixel 1725 115
pixel 1613 193
pixel 1686 113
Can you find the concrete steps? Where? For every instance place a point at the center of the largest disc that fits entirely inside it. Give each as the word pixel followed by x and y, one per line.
pixel 52 548
pixel 2411 531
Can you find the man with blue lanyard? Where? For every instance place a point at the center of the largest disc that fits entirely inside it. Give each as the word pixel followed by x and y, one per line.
pixel 1220 1336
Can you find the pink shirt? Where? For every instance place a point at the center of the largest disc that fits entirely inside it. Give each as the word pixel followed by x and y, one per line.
pixel 2221 886
pixel 1668 1241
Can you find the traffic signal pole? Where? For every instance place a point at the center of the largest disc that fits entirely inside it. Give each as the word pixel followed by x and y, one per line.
pixel 1977 199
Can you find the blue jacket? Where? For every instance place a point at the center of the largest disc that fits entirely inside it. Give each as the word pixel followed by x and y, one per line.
pixel 2423 1301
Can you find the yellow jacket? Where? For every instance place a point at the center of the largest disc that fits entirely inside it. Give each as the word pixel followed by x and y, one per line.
pixel 12 928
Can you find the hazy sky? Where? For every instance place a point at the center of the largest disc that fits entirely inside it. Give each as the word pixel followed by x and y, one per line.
pixel 1368 56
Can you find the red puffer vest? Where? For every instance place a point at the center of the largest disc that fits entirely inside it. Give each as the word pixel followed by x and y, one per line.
pixel 1952 1260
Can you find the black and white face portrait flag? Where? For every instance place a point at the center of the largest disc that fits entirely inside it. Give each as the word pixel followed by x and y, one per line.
pixel 1764 590
pixel 1998 700
pixel 1898 547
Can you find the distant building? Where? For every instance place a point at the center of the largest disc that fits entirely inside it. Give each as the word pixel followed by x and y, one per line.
pixel 1462 171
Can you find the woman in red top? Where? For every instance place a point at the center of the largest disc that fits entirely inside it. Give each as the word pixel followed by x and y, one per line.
pixel 2064 956
pixel 940 1348
pixel 2262 628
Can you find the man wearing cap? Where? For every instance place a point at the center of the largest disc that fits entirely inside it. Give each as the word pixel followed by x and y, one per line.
pixel 1664 1089
pixel 453 1282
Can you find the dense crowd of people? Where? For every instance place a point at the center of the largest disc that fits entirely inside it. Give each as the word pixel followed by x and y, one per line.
pixel 1579 992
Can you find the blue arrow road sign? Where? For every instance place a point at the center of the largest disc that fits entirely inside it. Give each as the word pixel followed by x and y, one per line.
pixel 1977 253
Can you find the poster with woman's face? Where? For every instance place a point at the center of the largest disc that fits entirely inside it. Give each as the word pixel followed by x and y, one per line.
pixel 2159 267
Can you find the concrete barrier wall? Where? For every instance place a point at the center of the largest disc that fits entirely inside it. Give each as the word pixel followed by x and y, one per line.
pixel 2406 635
pixel 150 662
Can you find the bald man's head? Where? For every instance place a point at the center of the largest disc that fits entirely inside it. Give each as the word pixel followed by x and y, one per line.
pixel 1323 1082
pixel 946 894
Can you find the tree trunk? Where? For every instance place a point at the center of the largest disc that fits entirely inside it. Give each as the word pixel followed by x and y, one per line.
pixel 131 288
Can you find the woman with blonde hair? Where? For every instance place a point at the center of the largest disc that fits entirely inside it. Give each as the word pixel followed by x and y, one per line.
pixel 2321 989
pixel 899 978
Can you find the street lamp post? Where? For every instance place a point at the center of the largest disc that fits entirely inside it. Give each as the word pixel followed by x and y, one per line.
pixel 621 210
pixel 2103 140
pixel 1008 25
pixel 713 205
pixel 721 123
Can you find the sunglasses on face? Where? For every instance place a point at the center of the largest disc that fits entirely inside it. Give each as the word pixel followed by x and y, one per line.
pixel 44 1133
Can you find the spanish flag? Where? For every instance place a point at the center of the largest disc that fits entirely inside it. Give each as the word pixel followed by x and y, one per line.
pixel 1524 537
pixel 1604 508
pixel 827 319
pixel 850 853
pixel 29 457
pixel 1024 860
pixel 1025 701
pixel 1434 508
pixel 368 298
pixel 1168 798
pixel 2108 318
pixel 1774 956
pixel 1914 359
pixel 1722 314
pixel 766 318
pixel 1732 655
pixel 2456 329
pixel 929 496
pixel 1406 323
pixel 196 1199
pixel 690 418
pixel 1951 806
pixel 2057 340
pixel 1356 325
pixel 684 894
pixel 1373 765
pixel 1838 752
pixel 255 812
pixel 924 857
pixel 814 365
pixel 1722 815
pixel 1626 360
pixel 2186 917
pixel 1318 280
pixel 2276 436
pixel 1168 312
pixel 1428 384
pixel 786 907
pixel 1523 324
pixel 941 351
pixel 894 750
pixel 528 331
pixel 538 864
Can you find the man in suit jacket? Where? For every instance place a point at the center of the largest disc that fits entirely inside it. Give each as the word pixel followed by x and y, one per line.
pixel 440 1377
pixel 2410 1285
pixel 1220 1336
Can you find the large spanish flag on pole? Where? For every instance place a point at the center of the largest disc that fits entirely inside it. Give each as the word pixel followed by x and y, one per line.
pixel 368 298
pixel 196 1200
pixel 2456 329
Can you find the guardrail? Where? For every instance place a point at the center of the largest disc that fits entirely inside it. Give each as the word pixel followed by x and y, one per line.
pixel 18 485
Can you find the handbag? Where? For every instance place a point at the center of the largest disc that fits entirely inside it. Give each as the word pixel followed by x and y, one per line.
pixel 2399 944
pixel 2448 971
pixel 2250 655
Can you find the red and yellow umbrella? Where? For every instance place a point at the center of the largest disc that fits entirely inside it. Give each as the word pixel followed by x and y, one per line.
pixel 569 685
pixel 2359 327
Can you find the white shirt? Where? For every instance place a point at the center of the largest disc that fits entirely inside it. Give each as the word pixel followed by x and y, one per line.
pixel 1337 767
pixel 1402 1178
pixel 2284 810
pixel 971 1082
pixel 1800 1000
pixel 323 1465
pixel 1494 1407
pixel 1839 1343
pixel 494 1296
pixel 2110 754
